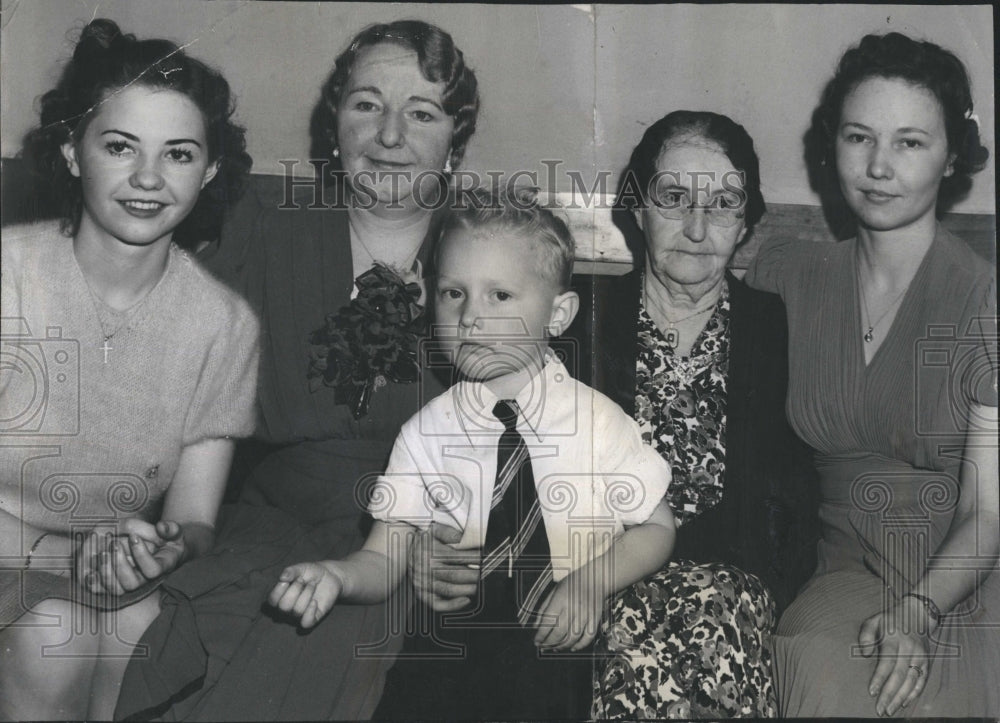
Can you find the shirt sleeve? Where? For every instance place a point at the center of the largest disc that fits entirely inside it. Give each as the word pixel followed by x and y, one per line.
pixel 768 269
pixel 635 476
pixel 223 402
pixel 12 323
pixel 978 366
pixel 413 488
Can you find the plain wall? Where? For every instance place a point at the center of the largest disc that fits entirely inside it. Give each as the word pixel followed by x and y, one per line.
pixel 577 84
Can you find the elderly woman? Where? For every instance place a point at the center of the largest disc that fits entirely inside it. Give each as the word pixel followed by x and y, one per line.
pixel 396 114
pixel 893 380
pixel 699 360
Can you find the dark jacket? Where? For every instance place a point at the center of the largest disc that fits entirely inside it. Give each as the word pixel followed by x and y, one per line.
pixel 766 523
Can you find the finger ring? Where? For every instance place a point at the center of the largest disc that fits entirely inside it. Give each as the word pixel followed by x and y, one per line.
pixel 920 671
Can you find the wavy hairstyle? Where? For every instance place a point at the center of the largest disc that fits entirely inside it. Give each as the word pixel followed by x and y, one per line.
pixel 923 64
pixel 730 136
pixel 106 60
pixel 440 61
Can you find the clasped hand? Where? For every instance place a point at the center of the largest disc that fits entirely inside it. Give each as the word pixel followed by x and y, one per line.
pixel 125 558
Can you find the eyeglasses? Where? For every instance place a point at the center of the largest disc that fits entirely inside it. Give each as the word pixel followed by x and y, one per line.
pixel 725 210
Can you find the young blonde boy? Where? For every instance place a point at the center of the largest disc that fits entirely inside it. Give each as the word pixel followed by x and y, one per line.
pixel 504 265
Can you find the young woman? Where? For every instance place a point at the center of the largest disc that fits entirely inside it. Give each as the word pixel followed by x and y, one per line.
pixel 893 380
pixel 146 369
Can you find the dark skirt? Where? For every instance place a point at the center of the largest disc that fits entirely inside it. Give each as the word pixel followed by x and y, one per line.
pixel 462 666
pixel 219 652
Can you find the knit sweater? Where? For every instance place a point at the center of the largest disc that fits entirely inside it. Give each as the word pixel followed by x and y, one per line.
pixel 92 429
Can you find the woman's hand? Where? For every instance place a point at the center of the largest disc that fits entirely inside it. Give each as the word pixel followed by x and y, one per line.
pixel 156 549
pixel 126 560
pixel 570 616
pixel 444 579
pixel 903 656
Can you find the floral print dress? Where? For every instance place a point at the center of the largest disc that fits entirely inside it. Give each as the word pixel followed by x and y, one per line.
pixel 692 640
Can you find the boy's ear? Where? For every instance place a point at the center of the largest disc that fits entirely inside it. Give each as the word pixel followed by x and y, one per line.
pixel 564 308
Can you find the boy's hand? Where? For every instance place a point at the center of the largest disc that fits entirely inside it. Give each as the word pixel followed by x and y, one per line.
pixel 307 591
pixel 570 615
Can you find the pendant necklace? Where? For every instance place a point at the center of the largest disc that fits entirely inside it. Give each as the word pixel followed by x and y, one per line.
pixel 110 319
pixel 671 335
pixel 869 335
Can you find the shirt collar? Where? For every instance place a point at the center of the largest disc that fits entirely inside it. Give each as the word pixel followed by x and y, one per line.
pixel 476 401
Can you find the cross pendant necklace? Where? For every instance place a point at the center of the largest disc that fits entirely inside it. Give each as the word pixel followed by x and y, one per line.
pixel 109 318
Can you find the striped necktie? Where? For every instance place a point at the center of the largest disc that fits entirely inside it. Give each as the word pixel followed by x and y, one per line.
pixel 516 543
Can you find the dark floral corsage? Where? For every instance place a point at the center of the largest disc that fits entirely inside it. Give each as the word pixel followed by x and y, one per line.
pixel 370 341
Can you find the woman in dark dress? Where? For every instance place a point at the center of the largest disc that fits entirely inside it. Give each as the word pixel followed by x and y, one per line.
pixel 400 105
pixel 699 360
pixel 893 380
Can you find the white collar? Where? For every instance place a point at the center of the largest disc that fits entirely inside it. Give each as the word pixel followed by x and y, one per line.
pixel 475 402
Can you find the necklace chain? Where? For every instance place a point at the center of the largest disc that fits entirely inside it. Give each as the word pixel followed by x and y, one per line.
pixel 119 320
pixel 671 335
pixel 404 264
pixel 868 336
pixel 674 322
pixel 110 318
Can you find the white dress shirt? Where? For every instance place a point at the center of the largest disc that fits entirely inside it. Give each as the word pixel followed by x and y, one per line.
pixel 592 472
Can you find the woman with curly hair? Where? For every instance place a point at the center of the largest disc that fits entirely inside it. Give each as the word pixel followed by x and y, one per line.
pixel 333 277
pixel 127 369
pixel 893 380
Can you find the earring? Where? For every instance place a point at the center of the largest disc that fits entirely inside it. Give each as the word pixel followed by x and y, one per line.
pixel 447 166
pixel 336 152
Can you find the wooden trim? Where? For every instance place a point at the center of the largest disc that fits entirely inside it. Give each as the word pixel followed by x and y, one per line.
pixel 601 247
pixel 807 223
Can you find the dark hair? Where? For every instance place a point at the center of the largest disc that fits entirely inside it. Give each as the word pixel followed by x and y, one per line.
pixel 106 60
pixel 731 137
pixel 923 64
pixel 516 209
pixel 440 61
